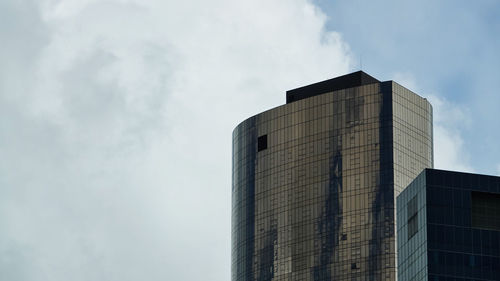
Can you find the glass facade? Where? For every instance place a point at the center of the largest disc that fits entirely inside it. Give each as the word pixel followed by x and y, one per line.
pixel 458 236
pixel 412 231
pixel 314 184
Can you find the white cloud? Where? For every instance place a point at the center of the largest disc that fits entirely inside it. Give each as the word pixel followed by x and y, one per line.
pixel 449 121
pixel 116 128
pixel 450 152
pixel 407 80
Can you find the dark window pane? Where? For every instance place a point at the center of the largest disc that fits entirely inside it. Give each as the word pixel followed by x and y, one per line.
pixel 485 210
pixel 412 206
pixel 262 143
pixel 412 209
pixel 412 226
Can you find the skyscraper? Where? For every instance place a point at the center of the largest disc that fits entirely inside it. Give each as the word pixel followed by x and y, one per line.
pixel 315 180
pixel 449 227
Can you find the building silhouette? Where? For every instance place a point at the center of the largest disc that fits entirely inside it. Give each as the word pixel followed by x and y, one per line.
pixel 449 227
pixel 314 181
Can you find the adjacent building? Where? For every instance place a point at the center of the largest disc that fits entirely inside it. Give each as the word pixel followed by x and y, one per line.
pixel 314 181
pixel 449 227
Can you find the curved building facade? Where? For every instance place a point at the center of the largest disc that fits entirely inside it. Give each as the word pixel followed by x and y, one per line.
pixel 314 181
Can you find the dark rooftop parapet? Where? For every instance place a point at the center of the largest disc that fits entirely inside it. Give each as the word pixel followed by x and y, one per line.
pixel 351 80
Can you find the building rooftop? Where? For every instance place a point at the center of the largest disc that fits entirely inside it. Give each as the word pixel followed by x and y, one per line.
pixel 355 79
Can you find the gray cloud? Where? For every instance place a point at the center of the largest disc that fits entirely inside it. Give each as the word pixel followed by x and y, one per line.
pixel 116 128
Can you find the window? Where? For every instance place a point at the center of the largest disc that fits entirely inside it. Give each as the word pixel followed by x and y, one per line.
pixel 262 143
pixel 485 210
pixel 412 217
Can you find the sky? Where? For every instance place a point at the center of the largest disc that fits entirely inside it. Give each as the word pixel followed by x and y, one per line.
pixel 116 116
